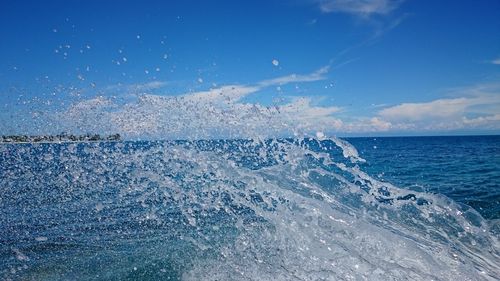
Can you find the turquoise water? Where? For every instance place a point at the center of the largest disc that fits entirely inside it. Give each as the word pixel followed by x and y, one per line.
pixel 383 209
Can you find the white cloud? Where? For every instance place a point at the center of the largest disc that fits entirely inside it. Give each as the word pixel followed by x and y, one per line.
pixel 135 88
pixel 149 86
pixel 228 94
pixel 367 10
pixel 364 125
pixel 296 78
pixel 440 108
pixel 482 120
pixel 496 61
pixel 222 112
pixel 195 116
pixel 302 106
pixel 358 7
pixel 312 22
pixel 215 112
pixel 301 113
pixel 233 93
pixel 478 107
pixel 418 111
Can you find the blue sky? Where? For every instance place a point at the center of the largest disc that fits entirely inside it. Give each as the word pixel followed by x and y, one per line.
pixel 361 67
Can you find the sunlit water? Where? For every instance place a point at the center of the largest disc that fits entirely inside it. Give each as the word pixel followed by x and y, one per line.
pixel 277 209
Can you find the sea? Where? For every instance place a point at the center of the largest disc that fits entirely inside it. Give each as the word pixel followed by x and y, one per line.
pixel 374 208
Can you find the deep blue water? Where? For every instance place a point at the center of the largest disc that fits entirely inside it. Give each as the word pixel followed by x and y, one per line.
pixel 464 168
pixel 244 210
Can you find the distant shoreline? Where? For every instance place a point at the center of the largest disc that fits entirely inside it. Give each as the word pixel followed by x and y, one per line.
pixel 62 138
pixel 59 142
pixel 117 138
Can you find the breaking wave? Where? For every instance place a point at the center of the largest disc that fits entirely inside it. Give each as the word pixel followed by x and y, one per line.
pixel 284 209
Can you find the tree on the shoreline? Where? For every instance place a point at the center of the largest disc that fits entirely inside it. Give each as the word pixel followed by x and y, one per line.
pixel 63 137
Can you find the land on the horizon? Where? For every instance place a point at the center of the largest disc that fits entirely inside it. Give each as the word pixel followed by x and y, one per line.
pixel 59 138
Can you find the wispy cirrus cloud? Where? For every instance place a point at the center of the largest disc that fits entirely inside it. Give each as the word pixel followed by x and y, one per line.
pixel 138 87
pixel 377 13
pixel 364 8
pixel 296 78
pixel 227 94
pixel 233 93
pixel 148 86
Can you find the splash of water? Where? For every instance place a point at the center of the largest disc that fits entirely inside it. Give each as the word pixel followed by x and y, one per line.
pixel 285 209
pixel 240 206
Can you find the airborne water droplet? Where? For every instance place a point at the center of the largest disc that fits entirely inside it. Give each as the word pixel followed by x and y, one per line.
pixel 320 135
pixel 99 207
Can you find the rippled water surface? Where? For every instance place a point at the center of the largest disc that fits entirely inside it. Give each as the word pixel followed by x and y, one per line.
pixel 464 168
pixel 284 209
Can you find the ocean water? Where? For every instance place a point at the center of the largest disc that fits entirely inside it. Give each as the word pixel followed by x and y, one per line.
pixel 464 168
pixel 413 208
